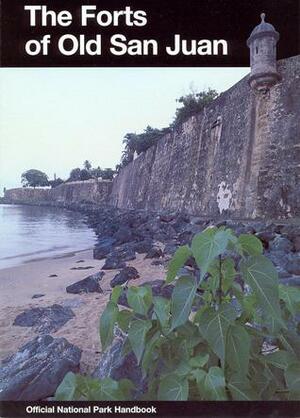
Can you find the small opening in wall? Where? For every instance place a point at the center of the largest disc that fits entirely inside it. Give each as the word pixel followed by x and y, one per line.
pixel 256 50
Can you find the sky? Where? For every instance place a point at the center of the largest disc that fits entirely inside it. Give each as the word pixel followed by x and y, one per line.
pixel 53 119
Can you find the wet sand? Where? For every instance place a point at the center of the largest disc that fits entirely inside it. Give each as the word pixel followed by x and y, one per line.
pixel 18 285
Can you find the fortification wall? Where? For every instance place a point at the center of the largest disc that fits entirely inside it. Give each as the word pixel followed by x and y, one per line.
pixel 239 157
pixel 78 192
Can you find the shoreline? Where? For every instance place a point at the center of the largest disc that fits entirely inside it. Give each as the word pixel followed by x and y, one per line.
pixel 70 253
pixel 18 284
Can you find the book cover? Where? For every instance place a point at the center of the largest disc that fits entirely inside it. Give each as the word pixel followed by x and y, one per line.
pixel 150 208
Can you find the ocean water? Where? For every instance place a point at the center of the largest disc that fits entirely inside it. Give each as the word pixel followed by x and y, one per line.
pixel 33 232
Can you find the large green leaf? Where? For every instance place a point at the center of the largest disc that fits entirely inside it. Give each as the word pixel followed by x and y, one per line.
pixel 260 274
pixel 123 318
pixel 228 274
pixel 241 389
pixel 292 377
pixel 139 299
pixel 172 388
pixel 126 387
pixel 290 341
pixel 116 293
pixel 238 349
pixel 182 300
pixel 249 245
pixel 162 309
pixel 136 335
pixel 213 388
pixel 67 390
pixel 208 245
pixel 214 326
pixel 107 322
pixel 178 260
pixel 291 296
pixel 107 390
pixel 77 387
pixel 149 352
pixel 259 375
pixel 281 359
pixel 199 361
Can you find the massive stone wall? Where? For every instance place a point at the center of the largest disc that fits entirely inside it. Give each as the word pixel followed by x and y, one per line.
pixel 68 194
pixel 239 157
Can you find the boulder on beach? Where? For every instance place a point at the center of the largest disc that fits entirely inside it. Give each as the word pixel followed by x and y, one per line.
pixel 117 258
pixel 113 263
pixel 142 247
pixel 114 364
pixel 90 284
pixel 45 320
pixel 154 252
pixel 102 249
pixel 38 295
pixel 123 234
pixel 128 273
pixel 37 369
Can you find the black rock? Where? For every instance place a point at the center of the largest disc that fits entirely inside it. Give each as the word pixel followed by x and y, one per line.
pixel 171 247
pixel 82 268
pixel 266 237
pixel 159 288
pixel 124 234
pixel 123 299
pixel 125 252
pixel 37 295
pixel 296 242
pixel 293 266
pixel 157 262
pixel 90 284
pixel 45 320
pixel 155 252
pixel 116 259
pixel 103 248
pixel 291 281
pixel 114 364
pixel 280 243
pixel 113 263
pixel 167 217
pixel 128 273
pixel 142 247
pixel 37 369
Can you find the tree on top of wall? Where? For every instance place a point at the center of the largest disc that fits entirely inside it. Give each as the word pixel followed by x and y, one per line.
pixel 34 178
pixel 192 104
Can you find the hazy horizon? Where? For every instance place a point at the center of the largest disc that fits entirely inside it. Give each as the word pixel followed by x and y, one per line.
pixel 53 119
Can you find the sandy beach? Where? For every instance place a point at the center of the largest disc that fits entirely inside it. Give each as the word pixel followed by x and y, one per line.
pixel 50 277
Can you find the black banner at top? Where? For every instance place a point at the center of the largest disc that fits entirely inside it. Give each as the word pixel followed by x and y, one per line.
pixel 139 33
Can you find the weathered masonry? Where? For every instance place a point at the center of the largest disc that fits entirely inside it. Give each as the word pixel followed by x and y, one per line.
pixel 239 157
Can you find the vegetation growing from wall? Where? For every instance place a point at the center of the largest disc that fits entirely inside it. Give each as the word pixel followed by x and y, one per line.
pixel 191 104
pixel 228 333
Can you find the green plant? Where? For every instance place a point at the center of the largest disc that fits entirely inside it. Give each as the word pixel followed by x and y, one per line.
pixel 34 178
pixel 228 332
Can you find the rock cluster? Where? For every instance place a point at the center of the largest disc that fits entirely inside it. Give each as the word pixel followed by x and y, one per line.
pixel 36 370
pixel 122 234
pixel 45 319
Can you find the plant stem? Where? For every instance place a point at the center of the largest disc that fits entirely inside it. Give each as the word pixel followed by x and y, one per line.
pixel 220 280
